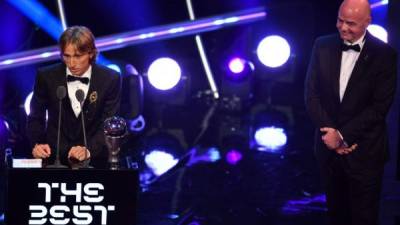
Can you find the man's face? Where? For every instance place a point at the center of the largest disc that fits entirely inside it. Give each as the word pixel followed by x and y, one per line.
pixel 77 62
pixel 351 24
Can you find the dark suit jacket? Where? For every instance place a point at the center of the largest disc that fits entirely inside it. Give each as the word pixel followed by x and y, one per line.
pixel 105 83
pixel 360 117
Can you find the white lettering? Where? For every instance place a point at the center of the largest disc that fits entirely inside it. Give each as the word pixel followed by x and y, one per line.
pixel 47 191
pixel 42 213
pixel 80 213
pixel 92 189
pixel 77 192
pixel 103 211
pixel 57 212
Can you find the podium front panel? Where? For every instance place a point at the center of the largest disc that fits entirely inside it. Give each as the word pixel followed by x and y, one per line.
pixel 61 196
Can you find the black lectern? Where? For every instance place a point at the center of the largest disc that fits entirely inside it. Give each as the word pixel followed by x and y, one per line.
pixel 62 196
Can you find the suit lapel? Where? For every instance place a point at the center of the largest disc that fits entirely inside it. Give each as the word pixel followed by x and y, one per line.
pixel 360 66
pixel 91 97
pixel 335 59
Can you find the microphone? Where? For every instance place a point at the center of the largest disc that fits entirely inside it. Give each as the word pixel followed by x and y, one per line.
pixel 80 96
pixel 61 93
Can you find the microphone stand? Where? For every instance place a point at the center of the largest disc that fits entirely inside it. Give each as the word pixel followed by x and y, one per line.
pixel 57 163
pixel 80 96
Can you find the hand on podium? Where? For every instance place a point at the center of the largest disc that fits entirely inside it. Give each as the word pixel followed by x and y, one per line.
pixel 79 153
pixel 78 157
pixel 41 151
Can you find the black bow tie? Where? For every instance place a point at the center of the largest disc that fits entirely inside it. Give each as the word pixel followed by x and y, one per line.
pixel 356 47
pixel 84 80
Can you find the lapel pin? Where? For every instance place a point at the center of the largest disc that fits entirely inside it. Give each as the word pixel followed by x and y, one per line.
pixel 93 97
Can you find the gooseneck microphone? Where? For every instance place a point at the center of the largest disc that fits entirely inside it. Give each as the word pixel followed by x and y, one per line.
pixel 80 96
pixel 61 93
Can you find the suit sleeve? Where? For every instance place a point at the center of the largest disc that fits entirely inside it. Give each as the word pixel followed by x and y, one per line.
pixel 111 108
pixel 375 113
pixel 313 98
pixel 36 121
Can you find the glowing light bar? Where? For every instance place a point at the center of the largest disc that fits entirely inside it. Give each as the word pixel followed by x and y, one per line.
pixel 141 36
pixel 378 4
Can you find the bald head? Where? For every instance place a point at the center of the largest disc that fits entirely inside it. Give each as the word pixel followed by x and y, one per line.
pixel 353 19
pixel 359 8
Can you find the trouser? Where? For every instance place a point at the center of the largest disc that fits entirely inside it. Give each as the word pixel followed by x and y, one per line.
pixel 353 196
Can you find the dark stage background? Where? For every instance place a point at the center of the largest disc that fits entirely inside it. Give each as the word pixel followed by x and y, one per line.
pixel 228 180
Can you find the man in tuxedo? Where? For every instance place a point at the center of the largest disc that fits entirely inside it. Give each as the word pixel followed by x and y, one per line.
pixel 349 88
pixel 101 87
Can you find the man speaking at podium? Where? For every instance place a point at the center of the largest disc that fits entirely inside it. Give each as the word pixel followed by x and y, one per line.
pixel 100 99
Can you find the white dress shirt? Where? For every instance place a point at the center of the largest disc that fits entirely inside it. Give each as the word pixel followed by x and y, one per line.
pixel 73 86
pixel 349 59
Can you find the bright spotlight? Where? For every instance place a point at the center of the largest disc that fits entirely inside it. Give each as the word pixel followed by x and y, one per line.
pixel 114 67
pixel 164 73
pixel 379 32
pixel 160 153
pixel 239 69
pixel 270 138
pixel 160 161
pixel 273 51
pixel 236 65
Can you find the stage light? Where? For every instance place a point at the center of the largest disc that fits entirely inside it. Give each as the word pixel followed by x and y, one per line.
pixel 159 152
pixel 379 32
pixel 27 104
pixel 239 68
pixel 236 86
pixel 137 124
pixel 273 51
pixel 270 138
pixel 4 132
pixel 164 73
pixel 236 65
pixel 114 67
pixel 208 155
pixel 4 126
pixel 160 161
pixel 233 156
pixel 269 130
pixel 379 3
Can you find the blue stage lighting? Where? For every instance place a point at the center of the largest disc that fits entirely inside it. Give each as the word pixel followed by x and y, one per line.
pixel 35 11
pixel 164 73
pixel 270 138
pixel 199 155
pixel 4 127
pixel 273 51
pixel 379 32
pixel 160 161
pixel 379 3
pixel 131 38
pixel 160 152
pixel 114 67
pixel 137 124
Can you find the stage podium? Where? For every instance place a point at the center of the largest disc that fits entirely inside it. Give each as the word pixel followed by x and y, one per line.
pixel 63 196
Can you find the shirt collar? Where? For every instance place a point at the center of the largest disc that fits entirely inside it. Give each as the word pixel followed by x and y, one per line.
pixel 87 74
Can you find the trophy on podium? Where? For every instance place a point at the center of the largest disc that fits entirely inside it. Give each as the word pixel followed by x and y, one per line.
pixel 114 131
